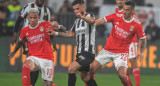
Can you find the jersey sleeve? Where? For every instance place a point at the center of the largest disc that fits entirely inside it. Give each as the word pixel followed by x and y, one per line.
pixel 110 18
pixel 73 27
pixel 47 25
pixel 24 11
pixel 140 32
pixel 22 34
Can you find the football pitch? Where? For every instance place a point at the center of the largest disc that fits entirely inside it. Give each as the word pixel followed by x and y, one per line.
pixel 14 79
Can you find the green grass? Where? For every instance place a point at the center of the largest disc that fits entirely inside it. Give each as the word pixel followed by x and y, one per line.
pixel 14 79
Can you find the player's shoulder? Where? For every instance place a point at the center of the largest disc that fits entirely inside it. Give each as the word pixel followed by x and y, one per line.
pixel 137 21
pixel 24 29
pixel 89 15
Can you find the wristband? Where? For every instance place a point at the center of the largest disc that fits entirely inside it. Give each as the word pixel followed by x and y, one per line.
pixel 56 33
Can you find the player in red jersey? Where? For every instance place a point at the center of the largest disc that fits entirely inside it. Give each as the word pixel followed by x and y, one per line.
pixel 40 52
pixel 117 45
pixel 132 48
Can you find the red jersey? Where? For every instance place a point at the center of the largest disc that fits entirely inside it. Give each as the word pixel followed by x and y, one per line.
pixel 38 40
pixel 121 12
pixel 122 33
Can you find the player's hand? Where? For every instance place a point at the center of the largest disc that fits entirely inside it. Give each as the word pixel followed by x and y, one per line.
pixel 79 15
pixel 139 57
pixel 50 31
pixel 11 54
pixel 14 38
pixel 54 24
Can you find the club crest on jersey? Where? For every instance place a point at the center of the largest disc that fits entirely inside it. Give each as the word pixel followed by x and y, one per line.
pixel 131 28
pixel 41 28
pixel 27 34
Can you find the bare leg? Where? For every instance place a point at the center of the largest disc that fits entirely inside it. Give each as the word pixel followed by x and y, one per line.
pixel 47 83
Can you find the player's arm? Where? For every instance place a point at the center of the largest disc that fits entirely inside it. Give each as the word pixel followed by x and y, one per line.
pixel 53 42
pixel 64 34
pixel 141 47
pixel 20 18
pixel 15 29
pixel 18 45
pixel 142 41
pixel 100 21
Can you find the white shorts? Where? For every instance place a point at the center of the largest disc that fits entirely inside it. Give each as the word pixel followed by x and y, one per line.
pixel 132 50
pixel 46 67
pixel 119 59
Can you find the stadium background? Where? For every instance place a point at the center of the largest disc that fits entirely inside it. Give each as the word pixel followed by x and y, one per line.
pixel 146 10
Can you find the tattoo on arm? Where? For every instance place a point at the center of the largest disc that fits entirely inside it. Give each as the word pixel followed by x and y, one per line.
pixel 66 34
pixel 142 46
pixel 18 45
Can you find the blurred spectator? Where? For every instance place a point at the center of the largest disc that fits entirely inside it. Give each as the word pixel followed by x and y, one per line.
pixel 65 7
pixel 14 8
pixel 91 8
pixel 100 30
pixel 152 31
pixel 3 21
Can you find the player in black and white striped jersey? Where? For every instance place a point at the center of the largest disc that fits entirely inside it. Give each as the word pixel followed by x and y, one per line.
pixel 44 14
pixel 84 30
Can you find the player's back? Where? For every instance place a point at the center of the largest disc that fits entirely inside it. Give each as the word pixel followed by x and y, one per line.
pixel 38 40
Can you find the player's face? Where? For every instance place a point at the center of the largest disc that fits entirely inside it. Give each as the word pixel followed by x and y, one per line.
pixel 33 19
pixel 120 3
pixel 127 11
pixel 77 8
pixel 39 2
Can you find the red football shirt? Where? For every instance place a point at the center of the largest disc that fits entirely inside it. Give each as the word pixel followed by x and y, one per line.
pixel 122 33
pixel 38 40
pixel 121 12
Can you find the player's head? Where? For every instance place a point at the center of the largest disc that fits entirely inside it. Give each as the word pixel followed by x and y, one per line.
pixel 78 6
pixel 33 16
pixel 40 2
pixel 128 9
pixel 120 3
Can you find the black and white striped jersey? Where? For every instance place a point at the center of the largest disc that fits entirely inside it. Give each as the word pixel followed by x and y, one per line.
pixel 85 35
pixel 44 13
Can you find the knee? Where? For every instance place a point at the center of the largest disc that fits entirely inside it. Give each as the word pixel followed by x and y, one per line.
pixel 85 78
pixel 71 69
pixel 122 76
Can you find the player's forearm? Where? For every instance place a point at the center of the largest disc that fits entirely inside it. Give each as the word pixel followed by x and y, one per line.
pixel 54 43
pixel 100 21
pixel 142 43
pixel 18 45
pixel 89 20
pixel 65 34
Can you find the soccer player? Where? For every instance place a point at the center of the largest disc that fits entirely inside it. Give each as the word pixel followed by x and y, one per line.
pixel 132 48
pixel 84 30
pixel 44 14
pixel 117 45
pixel 40 52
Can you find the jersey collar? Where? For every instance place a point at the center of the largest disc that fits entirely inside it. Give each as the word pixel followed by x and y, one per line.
pixel 34 27
pixel 128 21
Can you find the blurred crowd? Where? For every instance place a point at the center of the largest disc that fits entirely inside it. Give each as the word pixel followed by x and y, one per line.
pixel 9 10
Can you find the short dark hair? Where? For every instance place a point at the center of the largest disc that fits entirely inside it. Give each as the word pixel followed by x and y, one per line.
pixel 131 3
pixel 75 2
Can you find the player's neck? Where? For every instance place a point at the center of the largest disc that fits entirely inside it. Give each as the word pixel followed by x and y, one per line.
pixel 129 19
pixel 33 26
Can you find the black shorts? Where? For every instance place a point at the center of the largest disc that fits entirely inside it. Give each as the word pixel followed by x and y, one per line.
pixel 85 58
pixel 25 47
